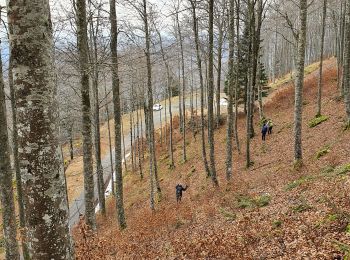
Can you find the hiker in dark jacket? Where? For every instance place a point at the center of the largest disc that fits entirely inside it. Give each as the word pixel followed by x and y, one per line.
pixel 179 189
pixel 264 131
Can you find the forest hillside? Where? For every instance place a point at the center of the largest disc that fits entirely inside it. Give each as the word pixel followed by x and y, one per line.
pixel 268 211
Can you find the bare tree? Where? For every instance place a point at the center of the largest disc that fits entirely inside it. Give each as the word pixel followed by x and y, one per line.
pixel 319 93
pixel 117 118
pixel 299 83
pixel 86 112
pixel 6 190
pixel 231 85
pixel 201 82
pixel 39 152
pixel 211 95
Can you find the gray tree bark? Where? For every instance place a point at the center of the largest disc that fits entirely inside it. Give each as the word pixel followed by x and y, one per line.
pixel 15 159
pixel 96 107
pixel 86 112
pixel 201 82
pixel 6 189
pixel 117 118
pixel 211 95
pixel 39 153
pixel 346 69
pixel 299 84
pixel 319 92
pixel 183 122
pixel 231 85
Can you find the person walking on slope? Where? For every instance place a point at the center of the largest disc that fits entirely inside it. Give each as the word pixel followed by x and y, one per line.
pixel 264 131
pixel 269 126
pixel 179 189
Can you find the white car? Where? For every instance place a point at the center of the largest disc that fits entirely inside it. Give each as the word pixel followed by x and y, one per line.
pixel 223 102
pixel 157 107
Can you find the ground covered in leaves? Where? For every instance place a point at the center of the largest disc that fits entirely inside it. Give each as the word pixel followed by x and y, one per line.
pixel 268 211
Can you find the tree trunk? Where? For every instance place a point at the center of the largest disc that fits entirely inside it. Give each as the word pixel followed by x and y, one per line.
pixel 299 84
pixel 319 93
pixel 183 122
pixel 218 83
pixel 153 161
pixel 15 159
pixel 231 83
pixel 346 77
pixel 117 118
pixel 138 143
pixel 96 114
pixel 211 95
pixel 199 64
pixel 235 129
pixel 109 141
pixel 86 111
pixel 170 94
pixel 123 141
pixel 39 153
pixel 6 190
pixel 131 138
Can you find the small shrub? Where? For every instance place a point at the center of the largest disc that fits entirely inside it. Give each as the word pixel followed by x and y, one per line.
pixel 344 169
pixel 317 120
pixel 303 206
pixel 322 152
pixel 227 215
pixel 262 200
pixel 327 170
pixel 248 202
pixel 297 183
pixel 277 223
pixel 179 223
pixel 245 202
pixel 347 229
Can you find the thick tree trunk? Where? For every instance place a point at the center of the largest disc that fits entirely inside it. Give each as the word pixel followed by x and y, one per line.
pixel 211 95
pixel 231 85
pixel 86 111
pixel 39 153
pixel 319 92
pixel 117 118
pixel 199 64
pixel 299 84
pixel 6 190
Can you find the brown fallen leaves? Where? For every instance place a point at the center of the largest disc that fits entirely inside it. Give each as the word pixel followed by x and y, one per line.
pixel 306 217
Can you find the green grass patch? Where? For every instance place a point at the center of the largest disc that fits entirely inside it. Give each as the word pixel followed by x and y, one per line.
pixel 344 169
pixel 301 207
pixel 244 202
pixel 327 170
pixel 276 223
pixel 344 248
pixel 317 120
pixel 296 183
pixel 230 216
pixel 322 152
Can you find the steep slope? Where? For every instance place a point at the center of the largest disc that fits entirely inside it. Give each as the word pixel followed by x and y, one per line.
pixel 268 211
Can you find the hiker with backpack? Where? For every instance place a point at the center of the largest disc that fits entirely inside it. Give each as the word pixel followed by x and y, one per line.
pixel 179 189
pixel 269 126
pixel 264 131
